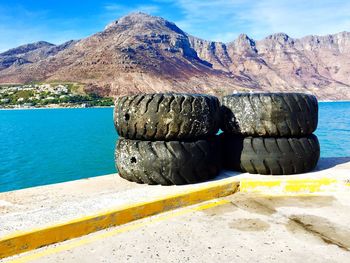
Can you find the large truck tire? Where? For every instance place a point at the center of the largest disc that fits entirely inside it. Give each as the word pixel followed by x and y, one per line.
pixel 169 116
pixel 275 156
pixel 168 162
pixel 270 114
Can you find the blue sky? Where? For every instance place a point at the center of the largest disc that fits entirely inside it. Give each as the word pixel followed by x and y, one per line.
pixel 221 20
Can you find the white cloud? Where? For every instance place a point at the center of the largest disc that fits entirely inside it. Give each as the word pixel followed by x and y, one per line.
pixel 116 10
pixel 224 37
pixel 299 17
pixel 214 20
pixel 114 7
pixel 219 20
pixel 222 20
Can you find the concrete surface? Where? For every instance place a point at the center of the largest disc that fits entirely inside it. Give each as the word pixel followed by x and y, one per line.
pixel 43 206
pixel 26 209
pixel 247 228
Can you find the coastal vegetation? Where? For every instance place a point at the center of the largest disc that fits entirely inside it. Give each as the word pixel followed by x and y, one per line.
pixel 40 95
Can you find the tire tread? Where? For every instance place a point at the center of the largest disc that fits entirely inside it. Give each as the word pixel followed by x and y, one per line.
pixel 173 116
pixel 293 114
pixel 158 162
pixel 294 155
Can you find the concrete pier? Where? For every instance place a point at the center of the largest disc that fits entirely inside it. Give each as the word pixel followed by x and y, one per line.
pixel 239 228
pixel 44 206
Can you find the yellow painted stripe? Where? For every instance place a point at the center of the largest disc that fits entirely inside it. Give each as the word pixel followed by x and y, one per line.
pixel 96 237
pixel 291 185
pixel 25 241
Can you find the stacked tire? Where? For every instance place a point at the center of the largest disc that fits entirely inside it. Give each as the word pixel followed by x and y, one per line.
pixel 167 139
pixel 270 133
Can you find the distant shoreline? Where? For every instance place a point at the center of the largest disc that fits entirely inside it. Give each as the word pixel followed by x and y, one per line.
pixel 334 101
pixel 106 107
pixel 57 108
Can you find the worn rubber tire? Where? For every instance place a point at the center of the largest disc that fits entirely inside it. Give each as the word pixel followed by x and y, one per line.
pixel 270 114
pixel 168 162
pixel 276 156
pixel 167 116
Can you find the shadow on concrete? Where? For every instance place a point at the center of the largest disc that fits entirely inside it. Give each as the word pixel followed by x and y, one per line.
pixel 330 162
pixel 226 174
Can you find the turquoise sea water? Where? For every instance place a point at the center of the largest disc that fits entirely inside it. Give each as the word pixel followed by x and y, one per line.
pixel 46 146
pixel 54 145
pixel 333 129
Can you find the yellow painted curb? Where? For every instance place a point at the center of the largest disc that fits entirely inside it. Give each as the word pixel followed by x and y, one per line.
pixel 291 185
pixel 25 241
pixel 133 226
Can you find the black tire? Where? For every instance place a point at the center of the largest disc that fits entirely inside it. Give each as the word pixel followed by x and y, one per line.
pixel 270 114
pixel 167 116
pixel 168 162
pixel 276 156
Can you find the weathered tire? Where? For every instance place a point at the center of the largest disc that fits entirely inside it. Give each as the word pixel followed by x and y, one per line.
pixel 167 116
pixel 270 114
pixel 168 162
pixel 276 156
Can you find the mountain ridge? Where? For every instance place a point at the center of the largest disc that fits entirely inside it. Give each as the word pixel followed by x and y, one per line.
pixel 143 53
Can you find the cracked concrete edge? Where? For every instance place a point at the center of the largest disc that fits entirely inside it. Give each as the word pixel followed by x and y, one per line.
pixel 25 241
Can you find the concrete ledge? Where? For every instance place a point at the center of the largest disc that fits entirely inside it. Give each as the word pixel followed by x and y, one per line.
pixel 37 238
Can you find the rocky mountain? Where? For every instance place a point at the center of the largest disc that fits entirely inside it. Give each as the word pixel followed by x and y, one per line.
pixel 143 53
pixel 30 53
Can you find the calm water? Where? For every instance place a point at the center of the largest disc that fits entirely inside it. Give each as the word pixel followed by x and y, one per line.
pixel 47 146
pixel 333 129
pixel 54 145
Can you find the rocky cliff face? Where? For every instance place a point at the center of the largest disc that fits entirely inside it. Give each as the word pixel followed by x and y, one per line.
pixel 30 53
pixel 280 63
pixel 142 53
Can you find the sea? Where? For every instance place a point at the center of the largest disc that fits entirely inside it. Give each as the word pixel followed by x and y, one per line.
pixel 45 146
